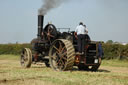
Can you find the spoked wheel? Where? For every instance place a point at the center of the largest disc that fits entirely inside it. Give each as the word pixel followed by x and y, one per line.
pixel 49 34
pixel 26 58
pixel 50 31
pixel 62 55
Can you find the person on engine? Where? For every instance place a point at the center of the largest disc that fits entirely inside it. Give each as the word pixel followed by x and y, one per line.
pixel 80 32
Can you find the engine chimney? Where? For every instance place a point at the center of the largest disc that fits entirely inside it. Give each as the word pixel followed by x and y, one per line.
pixel 40 25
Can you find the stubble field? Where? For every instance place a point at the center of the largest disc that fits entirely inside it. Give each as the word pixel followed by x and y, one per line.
pixel 111 72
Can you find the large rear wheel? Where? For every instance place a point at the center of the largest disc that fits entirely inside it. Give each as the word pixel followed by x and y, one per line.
pixel 26 58
pixel 62 55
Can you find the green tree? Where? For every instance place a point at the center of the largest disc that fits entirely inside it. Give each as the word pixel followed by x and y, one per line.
pixel 109 42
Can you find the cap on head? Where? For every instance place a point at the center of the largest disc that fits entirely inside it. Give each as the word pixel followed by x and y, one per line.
pixel 81 23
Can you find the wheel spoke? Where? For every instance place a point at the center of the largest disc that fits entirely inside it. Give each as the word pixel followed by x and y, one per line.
pixel 64 53
pixel 60 46
pixel 63 49
pixel 59 61
pixel 62 62
pixel 54 56
pixel 56 48
pixel 25 56
pixel 63 56
pixel 61 65
pixel 51 35
pixel 50 30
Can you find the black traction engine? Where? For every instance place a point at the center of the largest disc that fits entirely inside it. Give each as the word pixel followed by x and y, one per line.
pixel 59 50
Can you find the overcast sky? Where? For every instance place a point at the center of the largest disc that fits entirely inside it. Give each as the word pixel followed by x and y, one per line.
pixel 105 19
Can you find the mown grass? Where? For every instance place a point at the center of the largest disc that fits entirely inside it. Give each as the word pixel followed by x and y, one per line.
pixel 9 57
pixel 115 62
pixel 110 73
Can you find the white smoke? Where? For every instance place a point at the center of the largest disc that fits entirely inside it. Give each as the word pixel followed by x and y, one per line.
pixel 48 5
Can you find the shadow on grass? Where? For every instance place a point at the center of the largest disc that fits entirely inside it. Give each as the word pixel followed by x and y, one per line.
pixel 103 70
pixel 76 69
pixel 89 70
pixel 38 65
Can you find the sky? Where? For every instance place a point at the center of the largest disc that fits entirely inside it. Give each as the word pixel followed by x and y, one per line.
pixel 105 19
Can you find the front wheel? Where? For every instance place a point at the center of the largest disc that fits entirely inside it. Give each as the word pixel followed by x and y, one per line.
pixel 26 58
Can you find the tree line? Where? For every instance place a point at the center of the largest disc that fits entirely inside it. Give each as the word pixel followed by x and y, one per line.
pixel 111 51
pixel 115 51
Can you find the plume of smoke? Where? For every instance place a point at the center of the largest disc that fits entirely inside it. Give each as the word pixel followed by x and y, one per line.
pixel 48 5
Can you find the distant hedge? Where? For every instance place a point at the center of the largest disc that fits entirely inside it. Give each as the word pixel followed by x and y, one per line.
pixel 12 48
pixel 115 51
pixel 111 51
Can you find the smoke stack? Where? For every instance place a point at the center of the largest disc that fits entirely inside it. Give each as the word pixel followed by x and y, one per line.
pixel 40 25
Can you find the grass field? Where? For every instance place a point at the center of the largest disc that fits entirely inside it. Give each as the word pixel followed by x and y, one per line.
pixel 111 72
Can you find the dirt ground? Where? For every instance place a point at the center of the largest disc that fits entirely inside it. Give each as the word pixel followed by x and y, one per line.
pixel 11 73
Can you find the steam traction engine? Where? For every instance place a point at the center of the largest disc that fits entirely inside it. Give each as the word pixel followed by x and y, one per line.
pixel 59 50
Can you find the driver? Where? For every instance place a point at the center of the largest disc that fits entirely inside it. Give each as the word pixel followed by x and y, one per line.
pixel 80 35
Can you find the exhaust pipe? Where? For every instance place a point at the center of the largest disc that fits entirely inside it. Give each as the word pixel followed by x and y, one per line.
pixel 40 25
